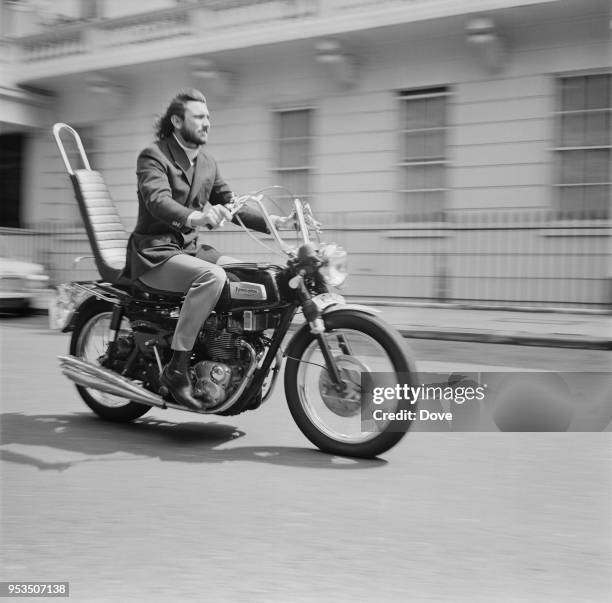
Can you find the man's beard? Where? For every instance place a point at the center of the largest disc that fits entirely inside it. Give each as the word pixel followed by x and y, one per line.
pixel 192 137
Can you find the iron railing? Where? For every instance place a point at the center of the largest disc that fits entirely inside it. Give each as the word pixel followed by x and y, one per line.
pixel 510 258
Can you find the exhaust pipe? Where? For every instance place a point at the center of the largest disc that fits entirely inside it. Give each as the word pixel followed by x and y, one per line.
pixel 99 378
pixel 96 377
pixel 93 383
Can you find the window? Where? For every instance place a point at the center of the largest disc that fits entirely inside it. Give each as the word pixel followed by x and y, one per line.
pixel 583 146
pixel 11 170
pixel 293 148
pixel 423 155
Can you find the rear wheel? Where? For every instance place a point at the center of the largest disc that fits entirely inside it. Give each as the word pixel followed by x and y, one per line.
pixel 90 340
pixel 331 420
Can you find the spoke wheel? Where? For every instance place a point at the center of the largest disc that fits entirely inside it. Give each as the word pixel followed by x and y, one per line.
pixel 329 417
pixel 90 340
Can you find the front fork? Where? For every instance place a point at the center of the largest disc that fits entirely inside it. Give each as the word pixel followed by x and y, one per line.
pixel 317 328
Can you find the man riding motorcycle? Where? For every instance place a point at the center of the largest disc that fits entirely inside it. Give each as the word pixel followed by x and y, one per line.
pixel 180 189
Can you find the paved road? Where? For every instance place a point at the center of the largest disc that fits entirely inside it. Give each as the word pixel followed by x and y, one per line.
pixel 244 509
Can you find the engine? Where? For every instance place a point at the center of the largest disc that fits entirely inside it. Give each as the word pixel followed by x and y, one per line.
pixel 222 358
pixel 225 361
pixel 215 381
pixel 220 338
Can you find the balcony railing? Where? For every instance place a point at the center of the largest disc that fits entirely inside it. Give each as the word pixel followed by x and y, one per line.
pixel 185 22
pixel 145 28
pixel 207 19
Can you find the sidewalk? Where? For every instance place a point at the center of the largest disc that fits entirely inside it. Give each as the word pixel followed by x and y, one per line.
pixel 536 327
pixel 588 330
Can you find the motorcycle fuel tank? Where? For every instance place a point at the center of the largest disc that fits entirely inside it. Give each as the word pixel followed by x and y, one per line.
pixel 249 287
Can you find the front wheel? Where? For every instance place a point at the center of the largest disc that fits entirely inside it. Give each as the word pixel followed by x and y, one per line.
pixel 359 343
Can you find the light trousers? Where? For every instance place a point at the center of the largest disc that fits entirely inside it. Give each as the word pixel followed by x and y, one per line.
pixel 202 284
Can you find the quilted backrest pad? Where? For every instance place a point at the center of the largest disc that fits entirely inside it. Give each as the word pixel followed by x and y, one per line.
pixel 106 231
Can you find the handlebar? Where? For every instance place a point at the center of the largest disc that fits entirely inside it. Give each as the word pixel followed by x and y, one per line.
pixel 302 213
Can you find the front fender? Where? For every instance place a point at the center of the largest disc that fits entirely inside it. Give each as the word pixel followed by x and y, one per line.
pixel 332 302
pixel 360 308
pixel 327 310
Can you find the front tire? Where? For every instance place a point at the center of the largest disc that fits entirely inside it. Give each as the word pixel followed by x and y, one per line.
pixel 89 341
pixel 359 343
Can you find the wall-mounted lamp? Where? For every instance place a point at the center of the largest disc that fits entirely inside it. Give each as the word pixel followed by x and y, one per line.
pixel 220 82
pixel 101 84
pixel 342 65
pixel 204 69
pixel 487 43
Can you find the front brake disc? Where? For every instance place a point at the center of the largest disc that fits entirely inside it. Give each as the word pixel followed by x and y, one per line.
pixel 345 403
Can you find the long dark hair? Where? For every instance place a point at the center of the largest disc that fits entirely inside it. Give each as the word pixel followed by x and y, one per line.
pixel 163 126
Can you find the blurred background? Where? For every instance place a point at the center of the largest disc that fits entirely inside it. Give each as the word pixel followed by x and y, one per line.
pixel 460 150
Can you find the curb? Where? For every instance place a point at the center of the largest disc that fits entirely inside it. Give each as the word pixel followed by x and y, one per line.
pixel 577 342
pixel 485 307
pixel 560 341
pixel 503 338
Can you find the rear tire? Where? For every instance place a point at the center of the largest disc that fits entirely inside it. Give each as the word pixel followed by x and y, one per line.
pixel 89 341
pixel 334 425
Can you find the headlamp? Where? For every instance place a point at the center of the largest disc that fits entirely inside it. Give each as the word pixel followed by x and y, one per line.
pixel 334 268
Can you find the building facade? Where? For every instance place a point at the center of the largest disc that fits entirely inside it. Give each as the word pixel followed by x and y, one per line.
pixel 459 149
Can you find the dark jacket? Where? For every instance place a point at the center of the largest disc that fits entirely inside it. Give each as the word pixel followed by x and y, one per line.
pixel 169 189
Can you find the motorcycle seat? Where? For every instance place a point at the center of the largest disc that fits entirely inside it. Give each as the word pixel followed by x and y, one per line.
pixel 105 230
pixel 108 237
pixel 139 290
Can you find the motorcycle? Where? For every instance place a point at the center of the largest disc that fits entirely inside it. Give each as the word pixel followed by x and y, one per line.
pixel 121 332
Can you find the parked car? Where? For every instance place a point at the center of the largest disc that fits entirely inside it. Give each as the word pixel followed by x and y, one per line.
pixel 20 282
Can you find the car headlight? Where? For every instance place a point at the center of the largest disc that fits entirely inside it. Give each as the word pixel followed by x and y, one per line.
pixel 36 281
pixel 334 268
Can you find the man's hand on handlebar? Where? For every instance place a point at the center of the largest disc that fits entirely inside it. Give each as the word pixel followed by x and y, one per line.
pixel 211 218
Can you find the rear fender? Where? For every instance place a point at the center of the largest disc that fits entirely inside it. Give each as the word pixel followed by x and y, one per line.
pixel 80 309
pixel 72 300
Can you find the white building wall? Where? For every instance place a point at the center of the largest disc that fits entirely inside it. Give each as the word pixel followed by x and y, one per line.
pixel 499 141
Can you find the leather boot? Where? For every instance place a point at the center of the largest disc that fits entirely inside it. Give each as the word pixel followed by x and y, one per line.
pixel 175 377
